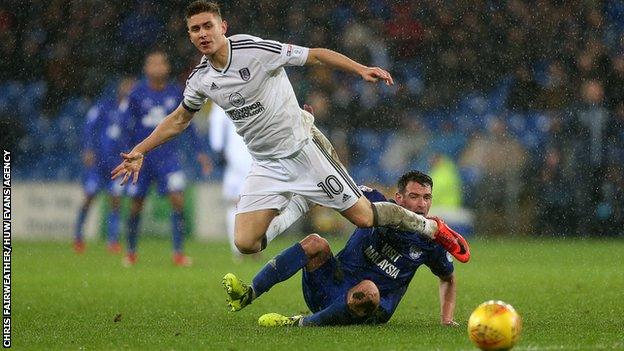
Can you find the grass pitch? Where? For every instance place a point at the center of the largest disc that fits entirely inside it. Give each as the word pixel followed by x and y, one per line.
pixel 570 294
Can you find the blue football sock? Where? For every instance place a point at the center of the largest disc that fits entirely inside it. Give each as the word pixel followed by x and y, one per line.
pixel 177 221
pixel 280 268
pixel 82 215
pixel 133 232
pixel 335 314
pixel 113 226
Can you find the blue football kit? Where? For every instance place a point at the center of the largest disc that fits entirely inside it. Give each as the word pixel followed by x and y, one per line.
pixel 146 109
pixel 103 136
pixel 387 257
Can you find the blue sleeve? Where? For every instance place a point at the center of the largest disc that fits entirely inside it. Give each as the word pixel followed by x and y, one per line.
pixel 90 129
pixel 127 109
pixel 372 194
pixel 440 262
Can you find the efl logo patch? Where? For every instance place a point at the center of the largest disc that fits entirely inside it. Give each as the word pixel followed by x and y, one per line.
pixel 289 50
pixel 237 100
pixel 244 73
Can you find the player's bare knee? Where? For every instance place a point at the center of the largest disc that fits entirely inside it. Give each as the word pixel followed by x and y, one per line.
pixel 314 245
pixel 247 246
pixel 363 299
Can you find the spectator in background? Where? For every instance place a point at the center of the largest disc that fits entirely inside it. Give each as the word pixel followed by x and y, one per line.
pixel 525 91
pixel 408 148
pixel 557 93
pixel 589 125
pixel 615 83
pixel 554 203
pixel 615 136
pixel 499 160
pixel 610 208
pixel 448 187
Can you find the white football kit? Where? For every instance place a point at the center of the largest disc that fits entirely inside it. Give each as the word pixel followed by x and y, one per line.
pixel 255 92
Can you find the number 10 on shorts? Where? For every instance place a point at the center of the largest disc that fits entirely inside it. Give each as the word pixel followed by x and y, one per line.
pixel 331 186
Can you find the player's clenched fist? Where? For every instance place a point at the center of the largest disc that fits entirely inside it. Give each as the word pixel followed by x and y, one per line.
pixel 129 167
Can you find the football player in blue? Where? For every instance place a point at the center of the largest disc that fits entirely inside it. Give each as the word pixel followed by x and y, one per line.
pixel 102 142
pixel 148 104
pixel 363 283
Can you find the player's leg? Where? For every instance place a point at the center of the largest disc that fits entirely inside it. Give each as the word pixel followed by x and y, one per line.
pixel 254 230
pixel 134 219
pixel 311 252
pixel 115 190
pixel 91 186
pixel 230 215
pixel 365 214
pixel 79 245
pixel 250 230
pixel 113 223
pixel 177 221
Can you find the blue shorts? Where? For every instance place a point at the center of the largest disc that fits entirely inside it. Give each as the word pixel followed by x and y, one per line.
pixel 98 178
pixel 330 282
pixel 325 284
pixel 167 174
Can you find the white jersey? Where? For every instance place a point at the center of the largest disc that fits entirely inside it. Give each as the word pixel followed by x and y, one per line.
pixel 255 92
pixel 223 138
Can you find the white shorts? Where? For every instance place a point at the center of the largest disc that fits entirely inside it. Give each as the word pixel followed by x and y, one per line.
pixel 312 173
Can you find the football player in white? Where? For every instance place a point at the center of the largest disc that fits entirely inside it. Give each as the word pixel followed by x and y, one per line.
pixel 294 164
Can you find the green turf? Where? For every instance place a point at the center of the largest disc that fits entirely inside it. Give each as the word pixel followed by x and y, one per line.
pixel 570 294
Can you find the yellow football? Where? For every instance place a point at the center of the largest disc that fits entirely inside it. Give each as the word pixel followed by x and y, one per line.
pixel 494 325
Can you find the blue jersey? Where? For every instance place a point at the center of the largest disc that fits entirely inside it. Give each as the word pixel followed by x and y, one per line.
pixel 390 258
pixel 146 109
pixel 102 132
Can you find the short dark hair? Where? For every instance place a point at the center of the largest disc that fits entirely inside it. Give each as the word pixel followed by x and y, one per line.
pixel 157 51
pixel 413 176
pixel 200 6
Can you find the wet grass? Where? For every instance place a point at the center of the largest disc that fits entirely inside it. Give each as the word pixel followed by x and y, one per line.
pixel 569 293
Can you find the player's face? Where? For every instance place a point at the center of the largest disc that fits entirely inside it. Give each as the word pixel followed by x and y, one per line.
pixel 157 67
pixel 207 32
pixel 416 198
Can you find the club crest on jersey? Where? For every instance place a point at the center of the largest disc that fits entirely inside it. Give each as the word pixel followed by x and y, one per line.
pixel 414 252
pixel 237 100
pixel 244 73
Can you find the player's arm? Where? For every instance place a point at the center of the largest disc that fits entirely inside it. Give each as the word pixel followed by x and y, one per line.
pixel 171 126
pixel 339 61
pixel 447 291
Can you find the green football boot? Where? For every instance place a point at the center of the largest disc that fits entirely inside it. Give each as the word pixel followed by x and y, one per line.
pixel 239 293
pixel 277 320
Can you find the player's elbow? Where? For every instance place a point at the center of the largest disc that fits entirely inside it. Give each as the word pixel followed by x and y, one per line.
pixel 313 56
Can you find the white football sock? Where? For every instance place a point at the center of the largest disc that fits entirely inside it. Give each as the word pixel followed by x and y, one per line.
pixel 229 219
pixel 296 208
pixel 388 214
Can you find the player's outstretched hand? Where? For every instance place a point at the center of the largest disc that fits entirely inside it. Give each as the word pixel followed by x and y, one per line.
pixel 129 167
pixel 373 74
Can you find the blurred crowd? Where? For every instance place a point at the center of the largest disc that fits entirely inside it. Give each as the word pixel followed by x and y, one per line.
pixel 517 105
